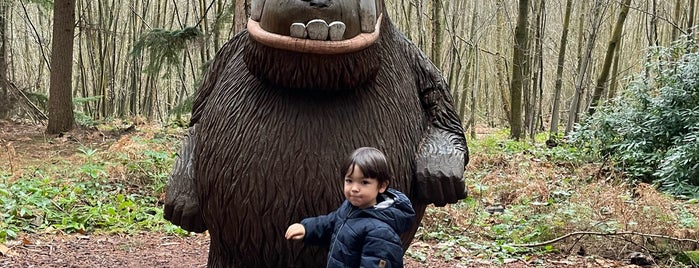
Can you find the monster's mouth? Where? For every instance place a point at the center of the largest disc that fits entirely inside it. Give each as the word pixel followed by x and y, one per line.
pixel 314 34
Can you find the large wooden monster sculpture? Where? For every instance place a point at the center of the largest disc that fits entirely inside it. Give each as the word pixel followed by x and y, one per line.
pixel 284 102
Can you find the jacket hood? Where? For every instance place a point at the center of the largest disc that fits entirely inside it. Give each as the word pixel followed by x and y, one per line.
pixel 394 208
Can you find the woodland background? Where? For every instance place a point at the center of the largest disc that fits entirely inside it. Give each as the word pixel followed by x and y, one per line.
pixel 549 184
pixel 146 58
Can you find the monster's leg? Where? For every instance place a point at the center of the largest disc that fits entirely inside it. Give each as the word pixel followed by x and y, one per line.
pixel 408 236
pixel 181 203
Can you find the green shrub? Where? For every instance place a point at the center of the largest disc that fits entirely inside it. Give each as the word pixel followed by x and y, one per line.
pixel 652 130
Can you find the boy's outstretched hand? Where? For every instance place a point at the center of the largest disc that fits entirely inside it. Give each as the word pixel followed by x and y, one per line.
pixel 296 232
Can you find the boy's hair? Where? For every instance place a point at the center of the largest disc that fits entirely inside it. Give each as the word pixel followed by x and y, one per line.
pixel 372 162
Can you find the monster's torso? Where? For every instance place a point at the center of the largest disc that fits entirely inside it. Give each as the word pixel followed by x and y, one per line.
pixel 270 155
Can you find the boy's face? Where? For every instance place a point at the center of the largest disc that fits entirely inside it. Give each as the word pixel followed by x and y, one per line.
pixel 359 191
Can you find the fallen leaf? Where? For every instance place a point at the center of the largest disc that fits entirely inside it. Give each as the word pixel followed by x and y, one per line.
pixel 5 251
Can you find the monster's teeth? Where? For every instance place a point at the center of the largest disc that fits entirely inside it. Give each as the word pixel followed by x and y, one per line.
pixel 367 15
pixel 256 9
pixel 337 30
pixel 298 30
pixel 317 29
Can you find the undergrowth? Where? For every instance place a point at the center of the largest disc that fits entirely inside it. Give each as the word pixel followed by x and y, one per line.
pixel 108 190
pixel 523 193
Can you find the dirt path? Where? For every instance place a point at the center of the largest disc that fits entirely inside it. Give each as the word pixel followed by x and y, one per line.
pixel 160 250
pixel 141 250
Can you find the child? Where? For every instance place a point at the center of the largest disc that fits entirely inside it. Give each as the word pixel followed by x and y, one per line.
pixel 365 230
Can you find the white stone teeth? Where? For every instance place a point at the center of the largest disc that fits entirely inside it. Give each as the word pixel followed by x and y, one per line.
pixel 337 30
pixel 256 9
pixel 367 15
pixel 298 30
pixel 317 29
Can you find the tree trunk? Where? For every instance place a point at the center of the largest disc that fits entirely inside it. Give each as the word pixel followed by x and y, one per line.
pixel 455 65
pixel 5 103
pixel 60 90
pixel 611 49
pixel 474 93
pixel 241 15
pixel 653 27
pixel 500 65
pixel 519 55
pixel 690 21
pixel 537 77
pixel 555 112
pixel 437 31
pixel 582 71
pixel 615 72
pixel 676 18
pixel 468 72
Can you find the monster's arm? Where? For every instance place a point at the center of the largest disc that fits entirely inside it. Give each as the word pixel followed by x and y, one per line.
pixel 443 153
pixel 181 204
pixel 181 201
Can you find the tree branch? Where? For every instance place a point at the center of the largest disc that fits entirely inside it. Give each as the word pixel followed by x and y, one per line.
pixel 603 234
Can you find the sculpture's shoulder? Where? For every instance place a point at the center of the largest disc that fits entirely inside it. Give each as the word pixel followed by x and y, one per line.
pixel 234 46
pixel 404 50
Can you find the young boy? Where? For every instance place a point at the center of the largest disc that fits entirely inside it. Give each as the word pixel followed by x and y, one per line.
pixel 365 230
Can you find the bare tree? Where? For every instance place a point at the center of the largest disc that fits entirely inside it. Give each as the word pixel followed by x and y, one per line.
pixel 500 65
pixel 437 30
pixel 241 14
pixel 611 49
pixel 5 103
pixel 676 17
pixel 690 21
pixel 61 98
pixel 584 61
pixel 519 56
pixel 615 72
pixel 555 112
pixel 533 95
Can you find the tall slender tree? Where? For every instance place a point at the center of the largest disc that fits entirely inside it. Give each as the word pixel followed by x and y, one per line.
pixel 241 14
pixel 519 56
pixel 676 18
pixel 437 37
pixel 500 64
pixel 5 103
pixel 60 90
pixel 690 21
pixel 555 113
pixel 584 62
pixel 611 49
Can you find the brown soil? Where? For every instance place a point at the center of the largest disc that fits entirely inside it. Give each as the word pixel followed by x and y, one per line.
pixel 22 145
pixel 159 250
pixel 141 250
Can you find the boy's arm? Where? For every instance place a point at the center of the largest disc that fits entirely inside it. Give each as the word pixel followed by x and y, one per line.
pixel 382 248
pixel 319 229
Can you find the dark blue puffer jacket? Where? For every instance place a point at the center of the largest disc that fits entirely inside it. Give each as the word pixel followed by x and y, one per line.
pixel 363 237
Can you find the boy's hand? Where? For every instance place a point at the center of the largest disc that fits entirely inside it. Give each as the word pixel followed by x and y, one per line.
pixel 296 232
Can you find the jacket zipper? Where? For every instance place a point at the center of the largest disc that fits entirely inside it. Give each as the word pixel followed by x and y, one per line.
pixel 349 215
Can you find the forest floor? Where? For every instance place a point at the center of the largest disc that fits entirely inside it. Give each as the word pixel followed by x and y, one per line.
pixel 161 250
pixel 27 144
